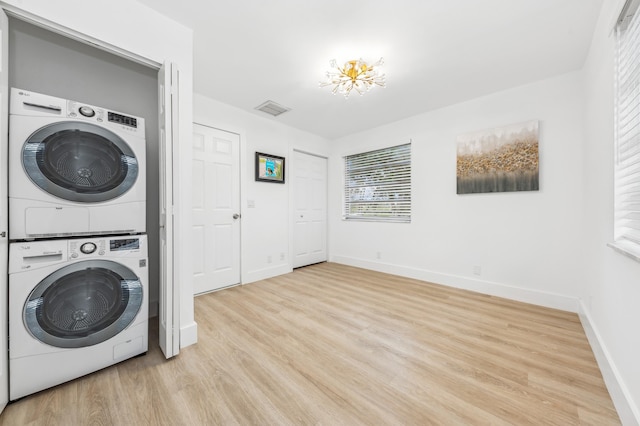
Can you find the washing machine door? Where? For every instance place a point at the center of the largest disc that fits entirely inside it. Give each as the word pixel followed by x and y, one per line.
pixel 83 304
pixel 79 162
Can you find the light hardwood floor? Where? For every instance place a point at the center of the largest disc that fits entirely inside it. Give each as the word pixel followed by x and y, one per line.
pixel 331 344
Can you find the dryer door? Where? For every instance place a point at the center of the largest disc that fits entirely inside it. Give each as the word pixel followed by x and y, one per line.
pixel 79 162
pixel 83 304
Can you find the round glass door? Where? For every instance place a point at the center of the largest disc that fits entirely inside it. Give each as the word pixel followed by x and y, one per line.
pixel 79 162
pixel 83 304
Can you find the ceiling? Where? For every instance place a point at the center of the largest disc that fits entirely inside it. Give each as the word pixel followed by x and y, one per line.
pixel 437 52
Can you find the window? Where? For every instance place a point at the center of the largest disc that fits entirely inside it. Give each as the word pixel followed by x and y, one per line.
pixel 627 127
pixel 377 185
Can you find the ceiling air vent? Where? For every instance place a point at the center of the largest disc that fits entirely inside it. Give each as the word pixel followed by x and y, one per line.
pixel 272 108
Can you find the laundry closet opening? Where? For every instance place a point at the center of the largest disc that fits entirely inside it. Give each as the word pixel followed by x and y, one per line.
pixel 45 62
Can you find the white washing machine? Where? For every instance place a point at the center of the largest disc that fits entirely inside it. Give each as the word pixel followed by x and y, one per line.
pixel 74 169
pixel 75 306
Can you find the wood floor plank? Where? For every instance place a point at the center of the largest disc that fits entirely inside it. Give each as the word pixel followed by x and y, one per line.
pixel 332 344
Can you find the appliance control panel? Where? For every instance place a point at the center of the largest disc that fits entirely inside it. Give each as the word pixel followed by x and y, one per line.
pixel 124 244
pixel 90 113
pixel 125 122
pixel 104 247
pixel 100 115
pixel 24 102
pixel 29 255
pixel 84 248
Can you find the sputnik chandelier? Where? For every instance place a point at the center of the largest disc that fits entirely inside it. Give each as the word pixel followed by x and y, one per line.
pixel 354 75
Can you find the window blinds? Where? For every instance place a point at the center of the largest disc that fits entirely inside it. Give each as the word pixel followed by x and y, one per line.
pixel 627 125
pixel 378 185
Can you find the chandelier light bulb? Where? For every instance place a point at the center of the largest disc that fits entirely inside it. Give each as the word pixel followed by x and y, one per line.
pixel 354 75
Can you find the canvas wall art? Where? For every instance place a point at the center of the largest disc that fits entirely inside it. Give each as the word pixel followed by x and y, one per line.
pixel 502 159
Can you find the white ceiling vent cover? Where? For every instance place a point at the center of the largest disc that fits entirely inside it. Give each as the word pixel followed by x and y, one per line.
pixel 272 108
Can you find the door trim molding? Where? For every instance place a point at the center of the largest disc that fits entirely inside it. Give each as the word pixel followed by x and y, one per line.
pixel 311 153
pixel 55 27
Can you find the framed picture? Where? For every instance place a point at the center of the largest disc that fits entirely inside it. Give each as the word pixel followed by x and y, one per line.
pixel 269 168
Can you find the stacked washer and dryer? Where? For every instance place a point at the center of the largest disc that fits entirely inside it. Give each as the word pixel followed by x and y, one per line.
pixel 78 275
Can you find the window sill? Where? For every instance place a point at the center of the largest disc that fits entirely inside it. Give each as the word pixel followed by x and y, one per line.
pixel 374 219
pixel 627 248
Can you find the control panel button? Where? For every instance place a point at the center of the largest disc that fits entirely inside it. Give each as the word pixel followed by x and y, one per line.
pixel 88 248
pixel 87 111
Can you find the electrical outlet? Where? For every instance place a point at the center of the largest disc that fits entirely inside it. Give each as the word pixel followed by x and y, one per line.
pixel 281 256
pixel 269 259
pixel 477 270
pixel 378 255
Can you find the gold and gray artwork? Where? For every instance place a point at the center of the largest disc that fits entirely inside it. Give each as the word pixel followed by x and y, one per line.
pixel 503 159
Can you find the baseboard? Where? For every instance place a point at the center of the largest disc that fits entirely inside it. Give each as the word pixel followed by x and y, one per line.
pixel 263 274
pixel 550 300
pixel 188 335
pixel 627 410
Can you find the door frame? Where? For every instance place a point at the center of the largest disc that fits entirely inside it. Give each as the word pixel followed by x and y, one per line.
pixel 292 202
pixel 4 211
pixel 174 269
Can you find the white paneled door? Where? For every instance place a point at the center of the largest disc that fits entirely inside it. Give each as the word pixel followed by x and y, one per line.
pixel 216 209
pixel 4 239
pixel 169 304
pixel 310 209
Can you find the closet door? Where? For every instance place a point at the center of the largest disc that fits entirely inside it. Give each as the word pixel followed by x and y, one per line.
pixel 4 240
pixel 309 209
pixel 169 304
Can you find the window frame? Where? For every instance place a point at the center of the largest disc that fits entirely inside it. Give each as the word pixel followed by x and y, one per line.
pixel 627 131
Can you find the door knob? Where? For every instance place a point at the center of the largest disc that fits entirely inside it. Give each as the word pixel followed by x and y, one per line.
pixel 236 216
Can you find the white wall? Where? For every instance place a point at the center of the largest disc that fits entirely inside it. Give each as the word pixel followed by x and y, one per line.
pixel 266 228
pixel 526 243
pixel 143 32
pixel 611 292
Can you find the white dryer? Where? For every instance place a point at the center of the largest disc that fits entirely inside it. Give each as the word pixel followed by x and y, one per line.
pixel 74 169
pixel 75 306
